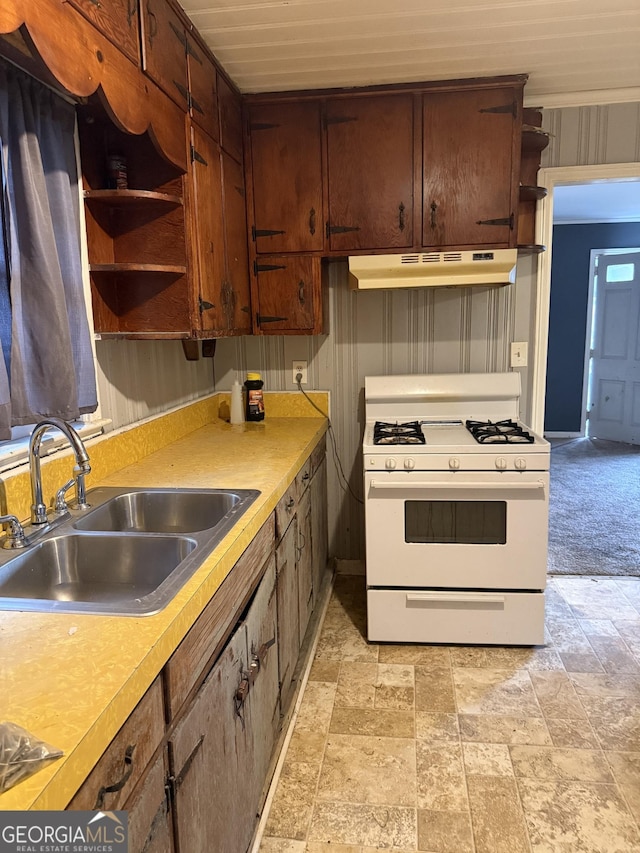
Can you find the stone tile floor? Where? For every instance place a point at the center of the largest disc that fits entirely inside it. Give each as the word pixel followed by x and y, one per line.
pixel 459 749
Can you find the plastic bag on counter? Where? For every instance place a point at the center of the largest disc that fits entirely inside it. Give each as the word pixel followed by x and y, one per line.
pixel 21 754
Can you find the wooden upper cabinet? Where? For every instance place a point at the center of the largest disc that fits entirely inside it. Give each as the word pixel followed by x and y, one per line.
pixel 471 162
pixel 208 257
pixel 164 50
pixel 230 106
pixel 117 20
pixel 286 295
pixel 286 173
pixel 203 90
pixel 237 304
pixel 370 145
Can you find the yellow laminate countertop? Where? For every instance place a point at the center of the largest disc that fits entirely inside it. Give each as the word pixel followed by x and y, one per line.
pixel 72 680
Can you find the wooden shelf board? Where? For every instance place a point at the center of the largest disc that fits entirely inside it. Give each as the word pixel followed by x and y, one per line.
pixel 161 269
pixel 129 198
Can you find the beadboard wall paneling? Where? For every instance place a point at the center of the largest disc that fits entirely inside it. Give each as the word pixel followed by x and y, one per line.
pixel 586 136
pixel 137 379
pixel 424 330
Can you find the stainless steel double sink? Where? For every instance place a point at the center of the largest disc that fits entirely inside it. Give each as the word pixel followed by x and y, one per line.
pixel 128 555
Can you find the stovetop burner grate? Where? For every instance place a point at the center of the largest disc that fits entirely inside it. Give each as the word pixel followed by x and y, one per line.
pixel 499 432
pixel 405 433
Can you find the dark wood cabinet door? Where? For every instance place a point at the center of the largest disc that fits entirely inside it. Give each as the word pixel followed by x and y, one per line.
pixel 286 176
pixel 211 760
pixel 117 20
pixel 237 290
pixel 230 107
pixel 207 233
pixel 370 150
pixel 164 50
pixel 288 618
pixel 203 92
pixel 286 294
pixel 470 154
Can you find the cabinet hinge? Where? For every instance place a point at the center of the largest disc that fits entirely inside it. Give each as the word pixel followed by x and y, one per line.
pixel 267 267
pixel 179 34
pixel 174 782
pixel 191 51
pixel 203 305
pixel 197 157
pixel 338 120
pixel 183 91
pixel 261 318
pixel 511 108
pixel 263 232
pixel 341 229
pixel 507 220
pixel 262 126
pixel 194 105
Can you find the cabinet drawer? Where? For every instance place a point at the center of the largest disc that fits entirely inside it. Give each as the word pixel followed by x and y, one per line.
pixel 303 477
pixel 190 662
pixel 318 455
pixel 286 509
pixel 455 616
pixel 127 756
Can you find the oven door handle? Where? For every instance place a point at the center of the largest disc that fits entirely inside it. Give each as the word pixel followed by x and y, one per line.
pixel 449 484
pixel 455 597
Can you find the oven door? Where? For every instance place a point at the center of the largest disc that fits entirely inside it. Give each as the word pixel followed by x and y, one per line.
pixel 448 530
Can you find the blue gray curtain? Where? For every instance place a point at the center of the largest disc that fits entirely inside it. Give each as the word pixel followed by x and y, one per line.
pixel 47 367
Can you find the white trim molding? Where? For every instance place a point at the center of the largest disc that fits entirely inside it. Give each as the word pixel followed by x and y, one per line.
pixel 551 178
pixel 592 98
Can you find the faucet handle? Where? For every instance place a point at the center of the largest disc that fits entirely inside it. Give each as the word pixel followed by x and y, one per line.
pixel 60 504
pixel 15 537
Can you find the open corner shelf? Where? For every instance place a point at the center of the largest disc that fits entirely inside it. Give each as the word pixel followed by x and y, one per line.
pixel 532 193
pixel 162 269
pixel 531 249
pixel 129 198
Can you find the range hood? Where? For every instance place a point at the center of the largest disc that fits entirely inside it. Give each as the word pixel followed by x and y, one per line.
pixel 433 269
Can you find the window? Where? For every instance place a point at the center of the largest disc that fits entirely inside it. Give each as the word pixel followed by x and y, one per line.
pixel 47 365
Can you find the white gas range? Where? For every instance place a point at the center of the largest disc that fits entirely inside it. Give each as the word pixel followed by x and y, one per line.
pixel 456 523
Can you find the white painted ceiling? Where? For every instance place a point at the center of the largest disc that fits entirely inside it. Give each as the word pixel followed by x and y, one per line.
pixel 575 51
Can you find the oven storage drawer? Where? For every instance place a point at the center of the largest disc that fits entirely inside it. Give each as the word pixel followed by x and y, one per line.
pixel 455 616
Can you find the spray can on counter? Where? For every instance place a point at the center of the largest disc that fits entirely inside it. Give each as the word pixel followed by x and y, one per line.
pixel 254 402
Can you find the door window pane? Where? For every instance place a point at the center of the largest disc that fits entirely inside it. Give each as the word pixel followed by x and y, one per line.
pixel 620 272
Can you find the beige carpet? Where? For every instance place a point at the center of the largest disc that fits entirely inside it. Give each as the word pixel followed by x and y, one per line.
pixel 594 512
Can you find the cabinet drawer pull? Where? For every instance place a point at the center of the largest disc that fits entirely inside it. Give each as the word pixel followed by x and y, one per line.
pixel 254 668
pixel 312 221
pixel 289 504
pixel 305 476
pixel 433 208
pixel 119 785
pixel 301 299
pixel 401 209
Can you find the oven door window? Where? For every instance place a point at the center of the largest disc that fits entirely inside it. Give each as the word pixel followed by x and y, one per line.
pixel 456 522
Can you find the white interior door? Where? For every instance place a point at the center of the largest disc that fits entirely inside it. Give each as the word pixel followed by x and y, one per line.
pixel 614 371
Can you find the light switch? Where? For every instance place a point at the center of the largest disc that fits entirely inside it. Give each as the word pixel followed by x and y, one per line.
pixel 519 353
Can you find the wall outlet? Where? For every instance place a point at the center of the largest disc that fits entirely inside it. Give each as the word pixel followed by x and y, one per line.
pixel 299 367
pixel 519 353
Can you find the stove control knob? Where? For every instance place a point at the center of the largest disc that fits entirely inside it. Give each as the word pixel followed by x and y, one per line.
pixel 390 464
pixel 454 463
pixel 501 463
pixel 520 463
pixel 409 464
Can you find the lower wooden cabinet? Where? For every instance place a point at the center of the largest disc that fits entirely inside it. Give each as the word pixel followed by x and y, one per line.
pixel 191 764
pixel 288 617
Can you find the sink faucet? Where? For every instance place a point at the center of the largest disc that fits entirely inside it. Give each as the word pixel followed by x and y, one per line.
pixel 82 467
